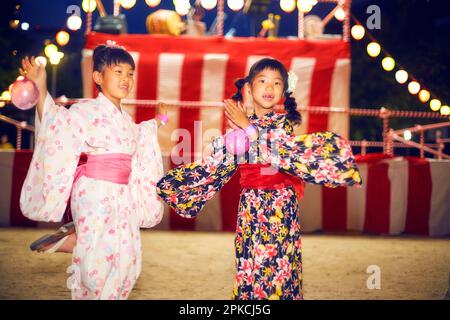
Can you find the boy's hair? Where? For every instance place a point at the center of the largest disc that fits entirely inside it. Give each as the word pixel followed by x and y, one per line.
pixel 110 56
pixel 272 64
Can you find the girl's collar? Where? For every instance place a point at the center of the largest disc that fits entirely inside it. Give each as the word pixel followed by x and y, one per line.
pixel 268 115
pixel 104 100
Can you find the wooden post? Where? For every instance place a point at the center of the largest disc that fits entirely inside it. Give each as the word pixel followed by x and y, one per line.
pixel 220 17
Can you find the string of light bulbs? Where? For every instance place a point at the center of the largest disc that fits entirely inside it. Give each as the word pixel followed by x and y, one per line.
pixel 388 63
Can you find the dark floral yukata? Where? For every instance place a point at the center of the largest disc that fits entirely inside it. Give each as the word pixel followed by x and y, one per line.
pixel 267 242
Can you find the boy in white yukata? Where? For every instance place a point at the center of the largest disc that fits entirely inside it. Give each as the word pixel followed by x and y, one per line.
pixel 113 194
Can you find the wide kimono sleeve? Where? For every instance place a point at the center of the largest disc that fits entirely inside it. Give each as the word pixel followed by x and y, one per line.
pixel 147 169
pixel 323 158
pixel 187 188
pixel 58 142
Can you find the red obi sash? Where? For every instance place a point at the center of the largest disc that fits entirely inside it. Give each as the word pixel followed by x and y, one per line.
pixel 255 176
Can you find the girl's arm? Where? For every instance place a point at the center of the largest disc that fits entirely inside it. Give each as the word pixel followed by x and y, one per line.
pixel 188 187
pixel 320 158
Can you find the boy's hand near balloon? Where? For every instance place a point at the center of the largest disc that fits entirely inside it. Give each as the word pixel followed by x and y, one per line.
pixel 36 72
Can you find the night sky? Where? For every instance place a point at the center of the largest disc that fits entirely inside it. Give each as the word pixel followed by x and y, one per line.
pixel 51 14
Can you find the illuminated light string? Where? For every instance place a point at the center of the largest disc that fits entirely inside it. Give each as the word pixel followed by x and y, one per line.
pixel 374 49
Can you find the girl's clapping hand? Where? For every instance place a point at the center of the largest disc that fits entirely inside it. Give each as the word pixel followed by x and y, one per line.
pixel 236 114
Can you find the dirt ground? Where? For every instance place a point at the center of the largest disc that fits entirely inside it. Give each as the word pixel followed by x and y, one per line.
pixel 199 265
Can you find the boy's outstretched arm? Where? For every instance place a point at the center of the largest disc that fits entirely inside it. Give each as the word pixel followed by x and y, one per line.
pixel 36 72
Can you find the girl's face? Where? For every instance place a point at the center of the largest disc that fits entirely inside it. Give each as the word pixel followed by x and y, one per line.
pixel 116 81
pixel 266 90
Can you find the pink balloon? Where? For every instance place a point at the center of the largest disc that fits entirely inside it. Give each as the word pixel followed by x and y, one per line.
pixel 237 142
pixel 24 94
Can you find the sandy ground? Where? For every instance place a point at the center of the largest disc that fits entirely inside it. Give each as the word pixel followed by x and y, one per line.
pixel 198 265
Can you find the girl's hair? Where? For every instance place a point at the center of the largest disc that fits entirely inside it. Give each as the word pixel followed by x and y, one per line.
pixel 110 56
pixel 267 63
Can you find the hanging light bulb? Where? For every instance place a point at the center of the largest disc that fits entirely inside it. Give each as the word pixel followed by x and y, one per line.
pixel 235 5
pixel 89 5
pixel 25 26
pixel 304 6
pixel 388 63
pixel 413 87
pixel 6 95
pixel 56 57
pixel 424 95
pixel 401 76
pixel 435 104
pixel 287 5
pixel 373 49
pixel 41 60
pixel 14 24
pixel 152 3
pixel 62 38
pixel 208 4
pixel 339 14
pixel 74 22
pixel 127 4
pixel 407 134
pixel 182 11
pixel 181 3
pixel 50 49
pixel 445 110
pixel 182 7
pixel 358 32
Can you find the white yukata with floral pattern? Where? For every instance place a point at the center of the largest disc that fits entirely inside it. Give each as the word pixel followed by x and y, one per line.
pixel 107 257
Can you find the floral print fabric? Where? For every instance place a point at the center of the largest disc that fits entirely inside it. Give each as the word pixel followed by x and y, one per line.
pixel 107 257
pixel 267 239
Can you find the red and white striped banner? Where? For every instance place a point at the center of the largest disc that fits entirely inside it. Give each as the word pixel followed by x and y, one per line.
pixel 13 170
pixel 204 70
pixel 399 195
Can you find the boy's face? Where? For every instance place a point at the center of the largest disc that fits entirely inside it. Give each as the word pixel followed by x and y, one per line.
pixel 116 81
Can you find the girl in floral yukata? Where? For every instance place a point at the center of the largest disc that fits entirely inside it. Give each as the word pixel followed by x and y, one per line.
pixel 113 194
pixel 273 171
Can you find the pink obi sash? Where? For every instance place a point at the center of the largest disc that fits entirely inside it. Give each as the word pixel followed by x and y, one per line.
pixel 253 178
pixel 112 167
